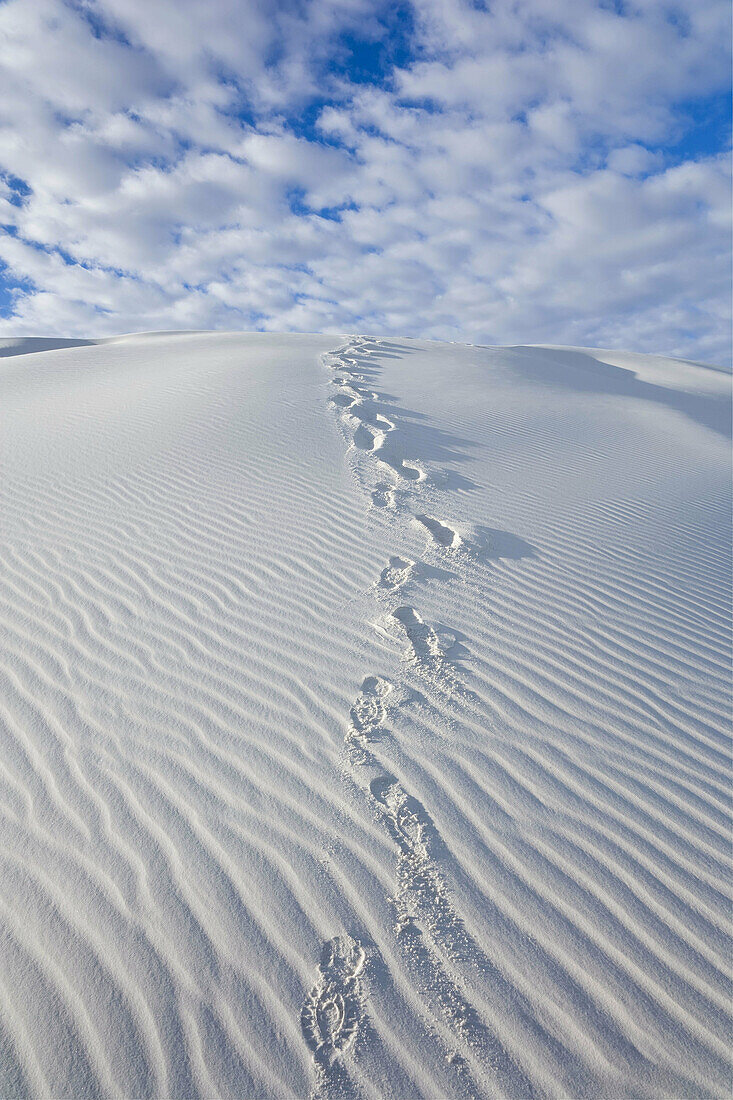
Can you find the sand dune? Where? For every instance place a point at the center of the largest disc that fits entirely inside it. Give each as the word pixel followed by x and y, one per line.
pixel 365 720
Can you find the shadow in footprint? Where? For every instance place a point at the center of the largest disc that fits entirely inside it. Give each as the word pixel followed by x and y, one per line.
pixel 441 533
pixel 403 813
pixel 384 496
pixel 364 438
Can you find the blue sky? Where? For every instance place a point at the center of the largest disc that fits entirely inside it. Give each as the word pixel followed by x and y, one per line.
pixel 519 171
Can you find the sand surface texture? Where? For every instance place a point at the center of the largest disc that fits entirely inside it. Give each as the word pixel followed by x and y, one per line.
pixel 364 720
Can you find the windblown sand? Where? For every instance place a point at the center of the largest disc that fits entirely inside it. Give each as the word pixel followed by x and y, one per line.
pixel 365 720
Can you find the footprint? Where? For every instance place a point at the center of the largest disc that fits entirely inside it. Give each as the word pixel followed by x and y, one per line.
pixel 384 496
pixel 368 439
pixel 441 533
pixel 423 639
pixel 332 1011
pixel 350 382
pixel 447 959
pixel 368 710
pixel 404 821
pixel 397 573
pixel 412 473
pixel 421 893
pixel 345 400
pixel 367 715
pixel 386 454
pixel 428 649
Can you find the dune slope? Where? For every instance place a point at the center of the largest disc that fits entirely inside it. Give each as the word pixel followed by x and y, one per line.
pixel 365 716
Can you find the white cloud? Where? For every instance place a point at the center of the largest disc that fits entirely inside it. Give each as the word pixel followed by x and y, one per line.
pixel 496 188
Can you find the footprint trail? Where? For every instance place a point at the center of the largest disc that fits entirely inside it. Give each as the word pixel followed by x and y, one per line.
pixel 430 935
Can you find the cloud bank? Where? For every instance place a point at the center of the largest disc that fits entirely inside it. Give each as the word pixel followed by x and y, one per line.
pixel 510 172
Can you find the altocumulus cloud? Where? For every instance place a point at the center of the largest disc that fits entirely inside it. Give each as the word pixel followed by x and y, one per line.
pixel 503 172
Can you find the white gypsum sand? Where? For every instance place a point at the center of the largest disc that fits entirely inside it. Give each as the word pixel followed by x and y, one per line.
pixel 365 714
